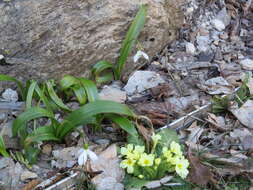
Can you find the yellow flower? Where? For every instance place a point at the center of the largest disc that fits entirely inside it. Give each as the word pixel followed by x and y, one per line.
pixel 175 148
pixel 146 160
pixel 139 149
pixel 155 138
pixel 181 167
pixel 157 161
pixel 128 164
pixel 127 150
pixel 140 176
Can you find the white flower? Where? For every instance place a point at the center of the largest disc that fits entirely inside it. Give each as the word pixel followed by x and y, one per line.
pixel 84 154
pixel 140 54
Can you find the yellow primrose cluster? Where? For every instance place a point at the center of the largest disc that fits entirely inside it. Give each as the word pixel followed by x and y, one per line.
pixel 149 166
pixel 174 157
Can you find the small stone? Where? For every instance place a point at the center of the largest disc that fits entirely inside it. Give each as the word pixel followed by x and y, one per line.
pixel 113 94
pixel 190 48
pixel 216 42
pixel 28 175
pixel 166 179
pixel 102 141
pixel 10 95
pixel 218 24
pixel 203 43
pixel 224 16
pixel 247 64
pixel 224 36
pixel 3 116
pixel 1 57
pixel 6 129
pixel 153 184
pixel 47 149
pixel 141 81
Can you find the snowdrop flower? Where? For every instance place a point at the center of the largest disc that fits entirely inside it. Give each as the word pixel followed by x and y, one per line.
pixel 84 154
pixel 140 54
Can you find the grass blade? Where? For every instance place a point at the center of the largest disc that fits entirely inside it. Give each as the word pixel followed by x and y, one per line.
pixel 132 35
pixel 11 79
pixel 19 124
pixel 43 98
pixel 84 114
pixel 54 96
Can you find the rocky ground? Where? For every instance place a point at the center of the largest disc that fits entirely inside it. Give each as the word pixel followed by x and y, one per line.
pixel 213 52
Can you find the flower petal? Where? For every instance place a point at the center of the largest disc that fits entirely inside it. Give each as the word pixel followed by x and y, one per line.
pixel 82 158
pixel 92 155
pixel 137 56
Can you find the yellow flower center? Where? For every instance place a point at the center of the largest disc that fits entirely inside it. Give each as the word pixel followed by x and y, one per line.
pixel 146 162
pixel 180 166
pixel 129 162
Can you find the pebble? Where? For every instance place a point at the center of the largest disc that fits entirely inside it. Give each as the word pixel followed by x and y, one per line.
pixel 218 25
pixel 112 93
pixel 247 64
pixel 190 48
pixel 10 95
pixel 102 141
pixel 141 81
pixel 203 43
pixel 28 175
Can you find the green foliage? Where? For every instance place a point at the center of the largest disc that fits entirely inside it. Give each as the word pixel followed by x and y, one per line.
pixel 3 150
pixel 42 101
pixel 126 48
pixel 221 104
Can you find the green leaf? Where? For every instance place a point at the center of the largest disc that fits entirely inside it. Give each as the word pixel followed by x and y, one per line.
pixel 168 135
pixel 31 154
pixel 123 123
pixel 103 71
pixel 80 94
pixel 136 140
pixel 3 150
pixel 220 104
pixel 90 88
pixel 30 94
pixel 19 124
pixel 132 35
pixel 45 133
pixel 68 81
pixel 84 114
pixel 54 96
pixel 131 182
pixel 44 99
pixel 19 83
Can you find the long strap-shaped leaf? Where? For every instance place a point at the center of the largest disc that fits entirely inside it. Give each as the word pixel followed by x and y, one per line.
pixel 45 133
pixel 82 115
pixel 11 79
pixel 54 96
pixel 130 39
pixel 3 148
pixel 19 124
pixel 30 93
pixel 90 88
pixel 123 123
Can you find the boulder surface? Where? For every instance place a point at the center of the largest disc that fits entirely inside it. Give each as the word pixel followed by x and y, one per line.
pixel 51 38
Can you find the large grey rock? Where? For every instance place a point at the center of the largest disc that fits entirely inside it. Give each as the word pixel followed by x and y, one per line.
pixel 50 38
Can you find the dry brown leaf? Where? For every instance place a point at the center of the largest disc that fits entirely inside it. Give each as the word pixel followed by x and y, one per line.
pixel 195 132
pixel 31 184
pixel 245 113
pixel 217 122
pixel 199 174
